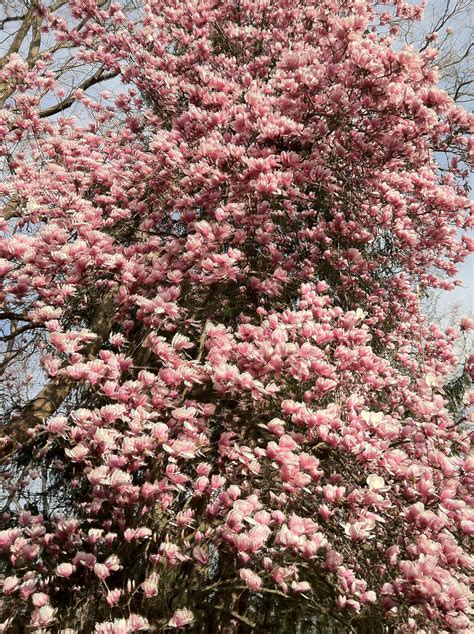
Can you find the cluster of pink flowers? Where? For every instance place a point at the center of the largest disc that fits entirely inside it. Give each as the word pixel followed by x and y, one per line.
pixel 223 264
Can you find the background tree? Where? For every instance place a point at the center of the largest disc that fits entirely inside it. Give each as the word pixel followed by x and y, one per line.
pixel 237 418
pixel 447 26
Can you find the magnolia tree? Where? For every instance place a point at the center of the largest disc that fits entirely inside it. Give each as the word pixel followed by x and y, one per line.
pixel 236 417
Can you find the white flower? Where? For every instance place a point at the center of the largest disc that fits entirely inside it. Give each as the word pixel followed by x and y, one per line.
pixel 32 205
pixel 372 418
pixel 375 482
pixel 431 380
pixel 359 530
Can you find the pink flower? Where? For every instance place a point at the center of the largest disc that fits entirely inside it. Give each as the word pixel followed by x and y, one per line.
pixel 467 323
pixel 143 532
pixel 101 571
pixel 113 563
pixel 333 494
pixel 137 623
pixel 86 559
pixel 40 599
pixel 181 618
pixel 301 586
pixel 43 616
pixel 10 584
pixel 200 555
pixel 65 570
pixel 57 425
pixel 258 535
pixel 150 585
pixel 8 536
pixel 253 581
pixel 27 588
pixel 359 530
pixel 113 597
pixel 368 597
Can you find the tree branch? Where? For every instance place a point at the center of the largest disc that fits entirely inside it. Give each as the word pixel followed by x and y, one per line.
pixel 96 78
pixel 15 433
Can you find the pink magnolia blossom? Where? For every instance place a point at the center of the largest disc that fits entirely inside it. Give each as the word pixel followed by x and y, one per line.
pixel 113 597
pixel 65 570
pixel 181 618
pixel 150 586
pixel 40 599
pixel 43 616
pixel 101 571
pixel 253 581
pixel 10 585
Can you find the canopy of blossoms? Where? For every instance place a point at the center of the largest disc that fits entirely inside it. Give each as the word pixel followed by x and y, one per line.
pixel 241 411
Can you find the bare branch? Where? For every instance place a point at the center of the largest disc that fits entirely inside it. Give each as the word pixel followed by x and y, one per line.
pixel 20 34
pixel 96 78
